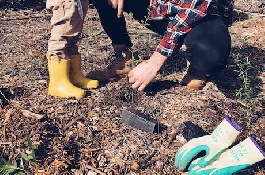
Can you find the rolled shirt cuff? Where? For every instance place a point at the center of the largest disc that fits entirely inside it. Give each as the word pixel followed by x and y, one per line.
pixel 166 48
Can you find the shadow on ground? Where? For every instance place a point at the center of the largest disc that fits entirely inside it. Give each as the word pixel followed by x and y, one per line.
pixel 50 133
pixel 228 80
pixel 23 4
pixel 239 16
pixel 7 94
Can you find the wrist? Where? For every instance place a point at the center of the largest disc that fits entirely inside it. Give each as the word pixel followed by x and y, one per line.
pixel 157 59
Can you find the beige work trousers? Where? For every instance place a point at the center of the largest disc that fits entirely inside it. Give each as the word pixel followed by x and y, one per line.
pixel 66 26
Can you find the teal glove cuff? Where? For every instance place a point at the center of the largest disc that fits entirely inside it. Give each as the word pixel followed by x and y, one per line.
pixel 230 161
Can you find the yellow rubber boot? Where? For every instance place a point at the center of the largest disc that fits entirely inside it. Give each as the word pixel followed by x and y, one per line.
pixel 60 84
pixel 76 76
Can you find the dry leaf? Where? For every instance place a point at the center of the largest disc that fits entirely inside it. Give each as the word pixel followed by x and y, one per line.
pixel 117 161
pixel 58 163
pixel 61 111
pixel 159 166
pixel 214 95
pixel 88 150
pixel 77 172
pixel 185 173
pixel 73 101
pixel 11 91
pixel 7 116
pixel 27 113
pixel 42 172
pixel 30 53
pixel 91 173
pixel 134 165
pixel 42 81
pixel 173 135
pixel 114 159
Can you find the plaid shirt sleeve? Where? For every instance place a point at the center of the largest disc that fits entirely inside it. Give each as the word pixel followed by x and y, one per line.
pixel 181 13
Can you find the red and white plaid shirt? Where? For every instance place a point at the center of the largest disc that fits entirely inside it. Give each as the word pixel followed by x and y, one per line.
pixel 181 14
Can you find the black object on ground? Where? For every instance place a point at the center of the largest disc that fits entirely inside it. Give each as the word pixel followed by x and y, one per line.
pixel 190 131
pixel 136 119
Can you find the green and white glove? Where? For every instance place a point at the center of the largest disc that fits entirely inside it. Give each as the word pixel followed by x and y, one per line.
pixel 221 138
pixel 240 156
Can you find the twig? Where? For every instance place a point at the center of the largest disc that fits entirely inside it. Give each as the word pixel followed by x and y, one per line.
pixel 173 135
pixel 72 122
pixel 149 157
pixel 25 17
pixel 4 132
pixel 98 33
pixel 29 114
pixel 5 143
pixel 141 31
pixel 88 150
pixel 2 94
pixel 251 13
pixel 95 170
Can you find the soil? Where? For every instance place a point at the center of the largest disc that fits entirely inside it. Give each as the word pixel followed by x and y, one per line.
pixel 87 136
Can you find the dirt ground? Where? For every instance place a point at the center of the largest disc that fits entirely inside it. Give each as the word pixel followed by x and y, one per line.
pixel 86 136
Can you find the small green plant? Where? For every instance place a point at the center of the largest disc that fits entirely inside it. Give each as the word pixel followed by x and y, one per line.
pixel 19 166
pixel 246 91
pixel 244 40
pixel 146 18
pixel 135 58
pixel 135 61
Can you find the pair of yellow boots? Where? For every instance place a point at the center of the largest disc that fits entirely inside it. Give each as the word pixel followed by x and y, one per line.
pixel 67 80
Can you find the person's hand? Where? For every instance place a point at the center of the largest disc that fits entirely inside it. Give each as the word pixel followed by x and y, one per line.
pixel 146 71
pixel 221 138
pixel 239 157
pixel 53 5
pixel 117 4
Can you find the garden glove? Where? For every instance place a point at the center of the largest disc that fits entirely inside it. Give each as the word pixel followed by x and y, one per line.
pixel 221 138
pixel 240 156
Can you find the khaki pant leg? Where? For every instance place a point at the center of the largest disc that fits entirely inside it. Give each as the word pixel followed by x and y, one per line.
pixel 73 49
pixel 66 26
